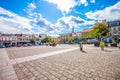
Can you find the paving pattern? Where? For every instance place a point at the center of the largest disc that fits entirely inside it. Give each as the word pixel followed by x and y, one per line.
pixel 92 64
pixel 19 52
pixel 6 71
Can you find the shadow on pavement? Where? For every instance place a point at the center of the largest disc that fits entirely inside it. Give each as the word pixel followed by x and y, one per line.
pixel 83 51
pixel 107 51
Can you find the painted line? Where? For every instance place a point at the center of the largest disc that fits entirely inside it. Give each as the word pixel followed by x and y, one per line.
pixel 29 58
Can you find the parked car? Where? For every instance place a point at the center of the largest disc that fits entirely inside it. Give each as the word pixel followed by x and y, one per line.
pixel 8 45
pixel 2 46
pixel 25 45
pixel 29 44
pixel 19 45
pixel 13 45
pixel 36 44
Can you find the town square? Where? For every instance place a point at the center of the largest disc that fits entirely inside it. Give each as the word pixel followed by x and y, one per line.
pixel 63 62
pixel 59 39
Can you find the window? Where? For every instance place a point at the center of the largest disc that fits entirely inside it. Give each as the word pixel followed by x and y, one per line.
pixel 110 34
pixel 109 24
pixel 114 30
pixel 117 23
pixel 119 33
pixel 119 28
pixel 110 29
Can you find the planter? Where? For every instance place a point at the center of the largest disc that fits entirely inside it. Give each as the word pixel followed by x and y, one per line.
pixel 96 44
pixel 114 45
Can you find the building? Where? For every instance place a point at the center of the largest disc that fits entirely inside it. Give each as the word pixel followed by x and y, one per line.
pixel 86 31
pixel 87 36
pixel 7 38
pixel 15 38
pixel 65 37
pixel 24 38
pixel 42 36
pixel 114 28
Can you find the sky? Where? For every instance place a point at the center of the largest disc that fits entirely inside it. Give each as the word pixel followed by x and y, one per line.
pixel 54 17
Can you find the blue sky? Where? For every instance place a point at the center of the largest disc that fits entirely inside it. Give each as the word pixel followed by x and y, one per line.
pixel 54 17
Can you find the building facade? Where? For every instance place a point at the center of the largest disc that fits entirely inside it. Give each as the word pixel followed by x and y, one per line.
pixel 15 38
pixel 114 29
pixel 86 31
pixel 64 37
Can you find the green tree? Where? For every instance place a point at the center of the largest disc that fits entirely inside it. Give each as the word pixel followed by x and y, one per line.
pixel 32 41
pixel 99 30
pixel 86 35
pixel 71 39
pixel 76 38
pixel 47 39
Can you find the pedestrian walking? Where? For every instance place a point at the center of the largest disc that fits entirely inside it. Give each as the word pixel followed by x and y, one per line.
pixel 119 45
pixel 81 46
pixel 102 44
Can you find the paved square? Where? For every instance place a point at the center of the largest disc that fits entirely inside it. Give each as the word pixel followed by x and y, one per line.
pixel 69 64
pixel 29 51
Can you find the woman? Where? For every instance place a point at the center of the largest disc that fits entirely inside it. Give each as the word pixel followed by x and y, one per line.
pixel 102 44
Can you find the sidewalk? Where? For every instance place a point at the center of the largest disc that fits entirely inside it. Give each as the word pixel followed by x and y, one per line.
pixel 6 71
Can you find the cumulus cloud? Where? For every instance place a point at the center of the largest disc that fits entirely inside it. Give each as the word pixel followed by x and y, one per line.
pixel 13 23
pixel 63 5
pixel 109 13
pixel 68 22
pixel 29 9
pixel 83 2
pixel 41 23
pixel 66 5
pixel 92 1
pixel 31 6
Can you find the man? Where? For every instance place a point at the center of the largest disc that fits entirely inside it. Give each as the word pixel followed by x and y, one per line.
pixel 119 45
pixel 81 46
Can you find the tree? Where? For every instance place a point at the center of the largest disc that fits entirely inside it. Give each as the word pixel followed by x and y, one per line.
pixel 47 39
pixel 99 30
pixel 32 41
pixel 76 38
pixel 71 39
pixel 86 35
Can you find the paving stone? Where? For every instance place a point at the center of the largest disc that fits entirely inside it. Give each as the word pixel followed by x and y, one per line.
pixel 73 65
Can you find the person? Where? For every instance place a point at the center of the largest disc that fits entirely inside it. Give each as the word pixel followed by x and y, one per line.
pixel 102 44
pixel 119 45
pixel 81 46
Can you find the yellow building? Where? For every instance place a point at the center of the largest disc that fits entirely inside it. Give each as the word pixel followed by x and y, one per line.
pixel 114 27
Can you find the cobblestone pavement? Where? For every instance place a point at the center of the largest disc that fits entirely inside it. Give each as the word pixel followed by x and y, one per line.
pixel 16 52
pixel 92 64
pixel 6 71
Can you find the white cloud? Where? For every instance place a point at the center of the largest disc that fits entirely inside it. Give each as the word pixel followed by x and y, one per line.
pixel 92 1
pixel 68 22
pixel 13 23
pixel 83 2
pixel 66 5
pixel 29 9
pixel 32 6
pixel 63 5
pixel 109 13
